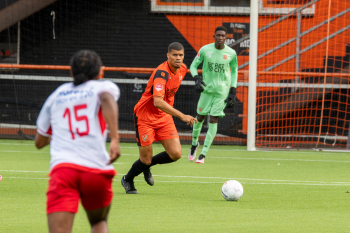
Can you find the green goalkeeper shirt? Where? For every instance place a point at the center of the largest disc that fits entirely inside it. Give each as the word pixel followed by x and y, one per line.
pixel 220 69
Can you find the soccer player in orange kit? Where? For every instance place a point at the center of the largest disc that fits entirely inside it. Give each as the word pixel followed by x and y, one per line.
pixel 153 118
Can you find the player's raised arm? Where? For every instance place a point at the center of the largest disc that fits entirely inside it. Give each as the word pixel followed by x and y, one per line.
pixel 110 114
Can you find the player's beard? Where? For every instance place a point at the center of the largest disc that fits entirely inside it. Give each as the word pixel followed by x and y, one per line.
pixel 177 65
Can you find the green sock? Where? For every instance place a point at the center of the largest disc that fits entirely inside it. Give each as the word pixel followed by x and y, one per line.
pixel 213 128
pixel 196 131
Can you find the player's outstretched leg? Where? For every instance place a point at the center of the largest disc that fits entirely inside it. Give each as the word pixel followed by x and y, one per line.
pixel 213 128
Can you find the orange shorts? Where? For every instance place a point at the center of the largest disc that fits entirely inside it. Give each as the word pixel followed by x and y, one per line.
pixel 68 185
pixel 147 133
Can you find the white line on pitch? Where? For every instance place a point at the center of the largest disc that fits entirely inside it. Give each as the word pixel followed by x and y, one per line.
pixel 206 182
pixel 237 178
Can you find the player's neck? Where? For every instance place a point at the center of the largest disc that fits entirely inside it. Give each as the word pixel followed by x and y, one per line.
pixel 173 69
pixel 217 46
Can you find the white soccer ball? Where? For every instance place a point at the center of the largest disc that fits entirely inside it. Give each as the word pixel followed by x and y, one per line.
pixel 232 190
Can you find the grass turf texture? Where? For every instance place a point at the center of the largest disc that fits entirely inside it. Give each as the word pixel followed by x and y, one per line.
pixel 284 191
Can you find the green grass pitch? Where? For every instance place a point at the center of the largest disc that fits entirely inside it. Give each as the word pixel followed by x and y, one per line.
pixel 284 191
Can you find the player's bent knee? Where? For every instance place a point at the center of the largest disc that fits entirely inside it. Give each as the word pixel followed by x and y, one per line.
pixel 176 155
pixel 146 161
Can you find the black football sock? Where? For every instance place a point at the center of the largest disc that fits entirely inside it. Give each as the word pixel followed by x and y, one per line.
pixel 136 170
pixel 161 158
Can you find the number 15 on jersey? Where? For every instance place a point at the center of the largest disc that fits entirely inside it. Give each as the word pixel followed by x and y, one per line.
pixel 67 114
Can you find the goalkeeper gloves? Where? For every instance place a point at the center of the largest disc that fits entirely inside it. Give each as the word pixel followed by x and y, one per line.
pixel 231 99
pixel 199 84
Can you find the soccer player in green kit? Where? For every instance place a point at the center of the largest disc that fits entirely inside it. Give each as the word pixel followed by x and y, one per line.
pixel 217 88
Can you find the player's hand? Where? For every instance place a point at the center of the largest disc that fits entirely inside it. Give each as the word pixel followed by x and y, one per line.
pixel 190 120
pixel 199 84
pixel 230 100
pixel 114 151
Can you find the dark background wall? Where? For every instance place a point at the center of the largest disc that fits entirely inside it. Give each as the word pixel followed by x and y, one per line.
pixel 124 33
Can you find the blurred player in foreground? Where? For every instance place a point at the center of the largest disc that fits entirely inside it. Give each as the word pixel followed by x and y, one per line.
pixel 74 118
pixel 153 118
pixel 217 88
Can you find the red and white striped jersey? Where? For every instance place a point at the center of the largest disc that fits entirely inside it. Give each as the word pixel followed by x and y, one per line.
pixel 73 117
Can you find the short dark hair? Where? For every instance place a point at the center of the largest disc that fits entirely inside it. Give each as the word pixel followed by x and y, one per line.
pixel 85 65
pixel 176 46
pixel 221 28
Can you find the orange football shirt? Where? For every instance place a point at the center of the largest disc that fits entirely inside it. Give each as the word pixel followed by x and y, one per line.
pixel 164 84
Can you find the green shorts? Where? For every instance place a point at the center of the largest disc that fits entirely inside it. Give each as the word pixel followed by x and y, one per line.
pixel 209 104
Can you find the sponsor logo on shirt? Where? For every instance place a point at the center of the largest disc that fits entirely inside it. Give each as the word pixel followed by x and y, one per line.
pixel 171 92
pixel 180 78
pixel 216 67
pixel 145 138
pixel 225 56
pixel 159 87
pixel 73 95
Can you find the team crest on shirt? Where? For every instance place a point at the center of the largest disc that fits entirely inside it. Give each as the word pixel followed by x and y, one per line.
pixel 159 87
pixel 200 109
pixel 198 54
pixel 162 74
pixel 145 138
pixel 225 56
